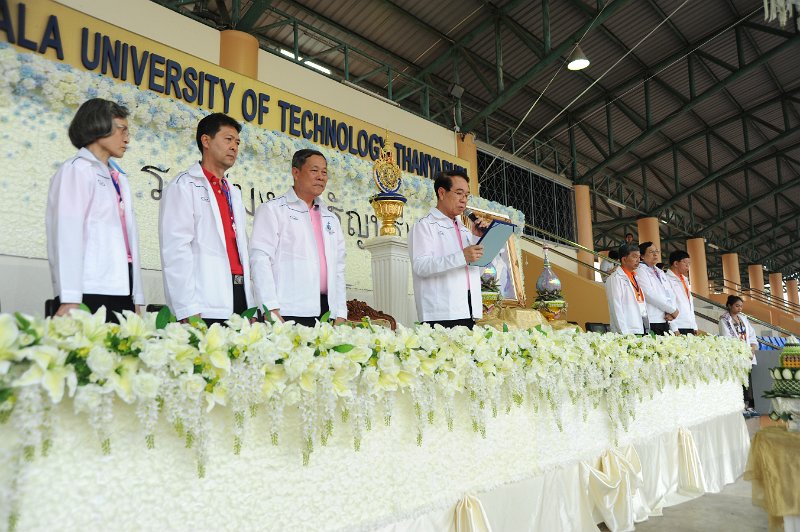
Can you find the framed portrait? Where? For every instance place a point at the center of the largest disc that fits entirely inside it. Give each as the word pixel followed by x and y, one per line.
pixel 505 267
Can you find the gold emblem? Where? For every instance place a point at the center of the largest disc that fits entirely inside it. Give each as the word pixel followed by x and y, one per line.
pixel 386 173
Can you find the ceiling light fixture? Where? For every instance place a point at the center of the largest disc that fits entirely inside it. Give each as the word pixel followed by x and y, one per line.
pixel 577 59
pixel 616 203
pixel 311 64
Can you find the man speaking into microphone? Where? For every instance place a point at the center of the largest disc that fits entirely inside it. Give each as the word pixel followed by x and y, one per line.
pixel 447 291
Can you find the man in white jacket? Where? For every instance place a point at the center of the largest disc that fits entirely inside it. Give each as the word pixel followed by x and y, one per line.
pixel 92 240
pixel 679 263
pixel 626 300
pixel 661 308
pixel 297 253
pixel 446 290
pixel 202 228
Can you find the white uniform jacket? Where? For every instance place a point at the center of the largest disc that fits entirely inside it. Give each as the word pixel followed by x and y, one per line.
pixel 685 319
pixel 85 242
pixel 194 258
pixel 440 269
pixel 285 261
pixel 727 328
pixel 626 317
pixel 657 292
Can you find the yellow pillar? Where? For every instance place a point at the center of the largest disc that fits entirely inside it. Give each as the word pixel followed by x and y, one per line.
pixel 698 272
pixel 238 51
pixel 755 272
pixel 776 287
pixel 732 279
pixel 791 291
pixel 465 145
pixel 649 231
pixel 583 213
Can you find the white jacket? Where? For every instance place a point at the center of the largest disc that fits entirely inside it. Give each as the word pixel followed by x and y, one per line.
pixel 657 292
pixel 685 319
pixel 285 261
pixel 438 267
pixel 194 258
pixel 624 310
pixel 85 242
pixel 727 328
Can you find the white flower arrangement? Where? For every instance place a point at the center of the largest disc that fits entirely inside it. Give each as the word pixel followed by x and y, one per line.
pixel 335 376
pixel 163 133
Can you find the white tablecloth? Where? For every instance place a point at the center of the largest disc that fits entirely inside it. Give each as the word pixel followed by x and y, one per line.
pixel 525 474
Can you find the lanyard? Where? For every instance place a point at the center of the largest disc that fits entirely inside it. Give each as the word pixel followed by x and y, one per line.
pixel 685 288
pixel 461 244
pixel 115 180
pixel 636 289
pixel 737 330
pixel 658 273
pixel 226 191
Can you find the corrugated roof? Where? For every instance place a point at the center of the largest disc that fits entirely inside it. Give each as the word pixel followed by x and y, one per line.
pixel 413 35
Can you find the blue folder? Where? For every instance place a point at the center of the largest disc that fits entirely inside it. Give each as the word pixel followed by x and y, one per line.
pixel 493 240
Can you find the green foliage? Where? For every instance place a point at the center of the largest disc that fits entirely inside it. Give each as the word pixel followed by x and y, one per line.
pixel 196 322
pixel 325 317
pixel 249 313
pixel 82 370
pixel 343 348
pixel 164 317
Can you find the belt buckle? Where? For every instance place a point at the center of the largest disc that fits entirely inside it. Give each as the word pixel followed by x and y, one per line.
pixel 238 279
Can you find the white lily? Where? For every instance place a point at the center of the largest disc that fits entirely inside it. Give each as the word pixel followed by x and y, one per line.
pixel 49 371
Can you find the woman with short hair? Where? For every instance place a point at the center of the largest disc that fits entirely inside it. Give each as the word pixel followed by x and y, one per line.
pixel 92 240
pixel 735 324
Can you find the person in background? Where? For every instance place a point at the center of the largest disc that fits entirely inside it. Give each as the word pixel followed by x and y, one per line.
pixel 608 267
pixel 447 291
pixel 661 308
pixel 92 240
pixel 684 322
pixel 626 300
pixel 735 324
pixel 297 252
pixel 629 239
pixel 202 228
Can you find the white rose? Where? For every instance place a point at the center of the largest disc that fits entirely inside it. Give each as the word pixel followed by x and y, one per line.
pixel 145 385
pixel 87 398
pixel 192 385
pixel 298 361
pixel 369 377
pixel 101 361
pixel 155 354
pixel 291 395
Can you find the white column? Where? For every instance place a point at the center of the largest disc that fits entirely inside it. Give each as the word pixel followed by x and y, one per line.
pixel 391 265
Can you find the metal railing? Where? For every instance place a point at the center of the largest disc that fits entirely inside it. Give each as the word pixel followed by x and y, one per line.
pixel 762 296
pixel 561 240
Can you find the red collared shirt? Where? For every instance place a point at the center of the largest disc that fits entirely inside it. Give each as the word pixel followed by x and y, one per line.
pixel 227 223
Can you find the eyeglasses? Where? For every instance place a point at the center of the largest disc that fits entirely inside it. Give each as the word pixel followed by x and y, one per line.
pixel 462 194
pixel 126 132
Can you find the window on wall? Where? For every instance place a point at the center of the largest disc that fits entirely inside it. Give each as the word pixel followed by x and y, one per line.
pixel 547 205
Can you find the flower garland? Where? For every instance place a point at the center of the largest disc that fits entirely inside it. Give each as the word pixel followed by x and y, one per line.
pixel 335 376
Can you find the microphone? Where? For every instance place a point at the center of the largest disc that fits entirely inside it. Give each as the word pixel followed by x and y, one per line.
pixel 471 215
